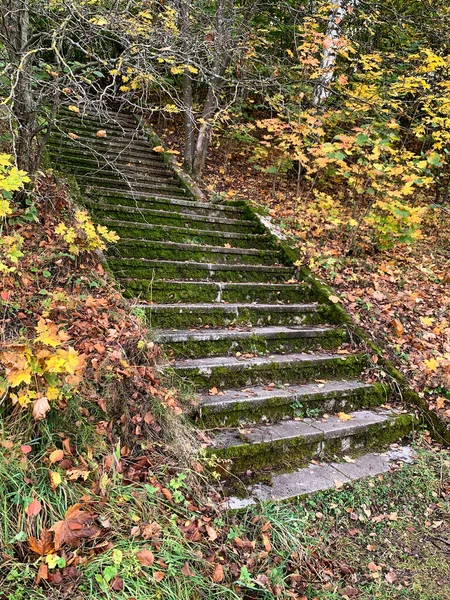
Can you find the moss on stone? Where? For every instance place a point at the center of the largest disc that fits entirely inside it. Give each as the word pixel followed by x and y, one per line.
pixel 243 374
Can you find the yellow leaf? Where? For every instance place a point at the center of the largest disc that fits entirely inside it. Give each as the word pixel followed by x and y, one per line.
pixel 440 402
pixel 48 333
pixel 55 479
pixel 427 321
pixel 73 108
pixel 344 416
pixel 432 364
pixel 334 299
pixel 158 149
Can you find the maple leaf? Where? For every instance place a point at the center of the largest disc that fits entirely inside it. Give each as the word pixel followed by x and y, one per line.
pixel 48 333
pixel 44 545
pixel 344 416
pixel 77 525
pixel 432 364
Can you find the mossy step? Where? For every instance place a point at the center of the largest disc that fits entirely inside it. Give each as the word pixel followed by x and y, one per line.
pixel 142 268
pixel 223 315
pixel 177 205
pixel 116 163
pixel 294 443
pixel 272 403
pixel 80 152
pixel 175 290
pixel 255 340
pixel 320 477
pixel 127 248
pixel 129 183
pixel 109 172
pixel 90 130
pixel 150 232
pixel 223 372
pixel 99 116
pixel 127 152
pixel 117 143
pixel 163 217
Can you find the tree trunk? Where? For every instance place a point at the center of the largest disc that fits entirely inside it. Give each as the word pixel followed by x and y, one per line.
pixel 15 31
pixel 321 91
pixel 221 61
pixel 189 118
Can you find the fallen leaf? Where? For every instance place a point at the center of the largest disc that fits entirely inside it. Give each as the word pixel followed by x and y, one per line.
pixel 158 576
pixel 34 508
pixel 40 408
pixel 25 449
pixel 391 577
pixel 344 416
pixel 334 299
pixel 101 133
pixel 212 533
pixel 186 571
pixel 55 479
pixel 56 456
pixel 145 557
pixel 44 545
pixel 77 525
pixel 213 391
pixel 218 573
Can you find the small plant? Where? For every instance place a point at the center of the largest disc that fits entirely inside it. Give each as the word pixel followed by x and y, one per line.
pixel 84 237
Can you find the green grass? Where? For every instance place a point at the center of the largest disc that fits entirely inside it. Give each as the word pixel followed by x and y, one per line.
pixel 319 546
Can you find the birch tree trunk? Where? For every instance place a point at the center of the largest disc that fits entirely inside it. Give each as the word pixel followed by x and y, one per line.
pixel 321 91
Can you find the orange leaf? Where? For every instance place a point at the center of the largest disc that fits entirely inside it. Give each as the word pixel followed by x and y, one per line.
pixel 218 573
pixel 56 456
pixel 266 542
pixel 44 545
pixel 158 576
pixel 77 525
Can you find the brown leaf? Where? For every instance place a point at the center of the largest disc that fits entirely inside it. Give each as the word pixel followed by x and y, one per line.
pixel 41 574
pixel 44 545
pixel 77 525
pixel 145 557
pixel 158 576
pixel 391 577
pixel 101 133
pixel 40 408
pixel 117 584
pixel 153 530
pixel 218 573
pixel 373 567
pixel 212 533
pixel 25 449
pixel 266 542
pixel 186 571
pixel 398 327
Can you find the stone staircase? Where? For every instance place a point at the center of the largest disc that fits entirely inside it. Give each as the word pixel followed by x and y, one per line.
pixel 269 358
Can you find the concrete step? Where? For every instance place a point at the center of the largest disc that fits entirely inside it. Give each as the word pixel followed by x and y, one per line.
pixel 177 205
pixel 127 152
pixel 91 162
pixel 174 291
pixel 129 247
pixel 150 187
pixel 122 176
pixel 224 372
pixel 294 443
pixel 323 476
pixel 234 407
pixel 117 144
pixel 87 130
pixel 224 315
pixel 161 217
pixel 80 152
pixel 255 340
pixel 143 268
pixel 182 234
pixel 99 116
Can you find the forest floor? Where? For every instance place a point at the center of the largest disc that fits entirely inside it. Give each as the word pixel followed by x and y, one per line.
pixel 107 498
